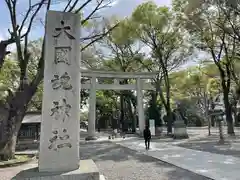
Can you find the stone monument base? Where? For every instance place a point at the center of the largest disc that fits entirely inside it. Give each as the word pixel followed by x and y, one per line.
pixel 180 130
pixel 87 171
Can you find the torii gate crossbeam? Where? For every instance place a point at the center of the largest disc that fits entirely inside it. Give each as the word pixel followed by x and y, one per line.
pixel 93 86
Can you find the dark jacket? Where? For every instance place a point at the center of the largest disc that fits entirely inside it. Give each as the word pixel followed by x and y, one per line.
pixel 147 134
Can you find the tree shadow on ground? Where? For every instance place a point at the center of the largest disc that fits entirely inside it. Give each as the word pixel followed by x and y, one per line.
pixel 119 163
pixel 211 144
pixel 111 152
pixel 105 151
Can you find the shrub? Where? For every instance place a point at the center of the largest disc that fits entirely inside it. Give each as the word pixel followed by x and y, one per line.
pixel 195 120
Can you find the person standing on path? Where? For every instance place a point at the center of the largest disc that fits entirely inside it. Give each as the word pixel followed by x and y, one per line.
pixel 147 136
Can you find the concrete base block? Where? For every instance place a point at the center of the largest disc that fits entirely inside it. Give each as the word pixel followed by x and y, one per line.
pixel 91 138
pixel 180 132
pixel 182 136
pixel 87 171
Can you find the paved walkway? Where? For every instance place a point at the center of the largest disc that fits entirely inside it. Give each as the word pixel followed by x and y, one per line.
pixel 214 166
pixel 119 163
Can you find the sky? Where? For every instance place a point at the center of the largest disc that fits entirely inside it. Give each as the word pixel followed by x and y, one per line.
pixel 120 8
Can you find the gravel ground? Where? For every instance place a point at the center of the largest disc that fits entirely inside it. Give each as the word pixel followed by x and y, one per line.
pixel 9 173
pixel 210 144
pixel 119 163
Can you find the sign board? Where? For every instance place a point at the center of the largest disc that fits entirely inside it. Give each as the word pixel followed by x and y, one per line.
pixel 152 126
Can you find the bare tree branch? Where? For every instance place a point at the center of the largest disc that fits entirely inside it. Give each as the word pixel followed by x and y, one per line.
pixel 82 6
pixel 30 8
pixel 99 37
pixel 34 15
pixel 98 7
pixel 68 5
pixel 3 50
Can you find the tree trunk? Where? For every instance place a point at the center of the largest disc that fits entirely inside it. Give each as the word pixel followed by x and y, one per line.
pixel 166 103
pixel 169 116
pixel 122 110
pixel 9 131
pixel 12 113
pixel 3 50
pixel 226 83
pixel 209 126
pixel 8 152
pixel 235 117
pixel 169 112
pixel 131 114
pixel 170 121
pixel 229 118
pixel 206 113
pixel 228 112
pixel 153 110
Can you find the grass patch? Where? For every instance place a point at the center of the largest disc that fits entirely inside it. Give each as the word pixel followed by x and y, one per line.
pixel 18 160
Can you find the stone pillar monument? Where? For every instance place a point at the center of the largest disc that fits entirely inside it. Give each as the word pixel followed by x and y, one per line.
pixel 141 118
pixel 92 111
pixel 61 99
pixel 60 125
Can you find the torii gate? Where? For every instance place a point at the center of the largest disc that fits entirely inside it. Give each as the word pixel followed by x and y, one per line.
pixel 94 85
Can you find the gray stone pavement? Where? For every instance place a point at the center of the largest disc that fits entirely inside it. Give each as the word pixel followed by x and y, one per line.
pixel 211 165
pixel 10 172
pixel 121 163
pixel 210 144
pixel 202 142
pixel 118 163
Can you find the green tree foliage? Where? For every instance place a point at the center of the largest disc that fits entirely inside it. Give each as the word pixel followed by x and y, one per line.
pixel 9 77
pixel 157 29
pixel 20 29
pixel 122 54
pixel 207 23
pixel 152 39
